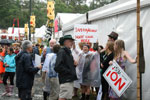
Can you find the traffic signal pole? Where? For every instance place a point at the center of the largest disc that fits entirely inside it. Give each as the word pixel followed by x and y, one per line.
pixel 30 13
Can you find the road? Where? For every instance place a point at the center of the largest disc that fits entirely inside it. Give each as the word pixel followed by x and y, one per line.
pixel 37 88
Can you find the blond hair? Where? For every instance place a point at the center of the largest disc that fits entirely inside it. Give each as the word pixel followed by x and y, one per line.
pixel 110 46
pixel 120 46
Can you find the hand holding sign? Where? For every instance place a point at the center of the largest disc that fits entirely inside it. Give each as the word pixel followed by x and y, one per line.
pixel 117 78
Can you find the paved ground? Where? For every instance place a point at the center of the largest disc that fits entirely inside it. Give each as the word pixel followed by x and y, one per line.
pixel 37 91
pixel 38 85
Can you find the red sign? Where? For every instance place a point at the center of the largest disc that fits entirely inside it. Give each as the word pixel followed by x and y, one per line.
pixel 117 78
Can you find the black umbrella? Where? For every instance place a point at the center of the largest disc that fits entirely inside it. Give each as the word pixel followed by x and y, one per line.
pixel 5 41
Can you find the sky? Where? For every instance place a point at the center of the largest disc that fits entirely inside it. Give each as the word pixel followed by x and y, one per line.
pixel 88 1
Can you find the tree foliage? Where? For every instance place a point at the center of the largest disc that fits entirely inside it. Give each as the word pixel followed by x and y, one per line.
pixel 10 9
pixel 99 3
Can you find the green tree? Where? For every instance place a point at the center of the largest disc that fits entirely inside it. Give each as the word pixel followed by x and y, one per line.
pixel 10 9
pixel 62 7
pixel 75 6
pixel 99 3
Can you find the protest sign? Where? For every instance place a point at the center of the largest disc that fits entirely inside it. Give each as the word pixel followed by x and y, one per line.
pixel 117 78
pixel 86 33
pixel 37 60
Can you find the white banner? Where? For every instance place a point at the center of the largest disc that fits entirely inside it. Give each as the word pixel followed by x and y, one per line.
pixel 86 33
pixel 117 78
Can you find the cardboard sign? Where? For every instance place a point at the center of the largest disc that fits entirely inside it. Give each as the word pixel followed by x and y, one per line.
pixel 117 78
pixel 86 33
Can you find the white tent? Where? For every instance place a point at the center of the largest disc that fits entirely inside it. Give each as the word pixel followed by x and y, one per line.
pixel 70 25
pixel 15 34
pixel 62 19
pixel 22 32
pixel 41 32
pixel 120 16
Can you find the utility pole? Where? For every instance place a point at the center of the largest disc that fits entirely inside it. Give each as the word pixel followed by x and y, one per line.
pixel 30 13
pixel 139 90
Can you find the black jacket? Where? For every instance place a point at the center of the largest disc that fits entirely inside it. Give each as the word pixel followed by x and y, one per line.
pixel 65 66
pixel 25 70
pixel 105 59
pixel 35 51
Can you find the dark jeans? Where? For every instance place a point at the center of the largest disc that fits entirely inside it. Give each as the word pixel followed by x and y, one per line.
pixel 9 75
pixel 24 94
pixel 105 88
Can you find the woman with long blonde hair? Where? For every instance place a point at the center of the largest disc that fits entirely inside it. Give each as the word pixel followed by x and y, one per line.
pixel 120 56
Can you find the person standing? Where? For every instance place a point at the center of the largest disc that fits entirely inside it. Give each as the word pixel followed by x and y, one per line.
pixel 50 62
pixel 35 51
pixel 75 54
pixel 45 69
pixel 48 49
pixel 10 69
pixel 2 68
pixel 84 61
pixel 106 57
pixel 25 71
pixel 41 49
pixel 66 69
pixel 113 36
pixel 120 56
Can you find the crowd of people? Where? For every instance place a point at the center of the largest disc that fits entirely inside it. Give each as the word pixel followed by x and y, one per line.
pixel 67 68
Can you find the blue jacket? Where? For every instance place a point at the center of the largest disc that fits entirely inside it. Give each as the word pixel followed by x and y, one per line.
pixel 10 60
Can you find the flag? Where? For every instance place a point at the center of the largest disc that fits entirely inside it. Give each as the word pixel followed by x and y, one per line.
pixel 141 54
pixel 13 26
pixel 18 28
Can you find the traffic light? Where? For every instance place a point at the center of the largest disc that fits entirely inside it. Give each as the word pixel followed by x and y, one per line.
pixel 32 21
pixel 50 10
pixel 26 28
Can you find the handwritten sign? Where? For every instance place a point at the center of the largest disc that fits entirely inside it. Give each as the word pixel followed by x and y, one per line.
pixel 86 33
pixel 117 78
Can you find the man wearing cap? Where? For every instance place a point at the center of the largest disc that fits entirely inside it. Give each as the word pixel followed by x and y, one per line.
pixel 113 36
pixel 65 68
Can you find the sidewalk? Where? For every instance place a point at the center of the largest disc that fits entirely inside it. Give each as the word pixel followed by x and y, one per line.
pixel 37 88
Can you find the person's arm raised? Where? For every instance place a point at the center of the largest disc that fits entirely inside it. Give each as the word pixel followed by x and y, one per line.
pixel 129 58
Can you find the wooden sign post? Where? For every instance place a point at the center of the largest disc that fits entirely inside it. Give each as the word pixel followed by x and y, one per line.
pixel 138 52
